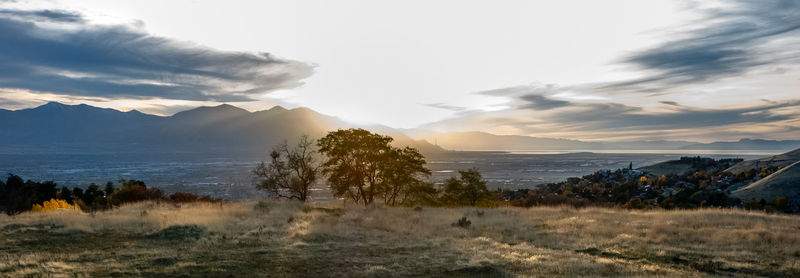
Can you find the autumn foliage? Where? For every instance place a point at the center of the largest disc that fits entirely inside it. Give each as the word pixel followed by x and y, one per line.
pixel 53 205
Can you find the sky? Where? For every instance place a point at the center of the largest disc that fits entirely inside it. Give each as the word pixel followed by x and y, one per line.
pixel 589 70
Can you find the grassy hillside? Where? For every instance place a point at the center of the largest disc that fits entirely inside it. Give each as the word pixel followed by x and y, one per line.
pixel 292 239
pixel 783 183
pixel 672 167
pixel 780 160
pixel 686 165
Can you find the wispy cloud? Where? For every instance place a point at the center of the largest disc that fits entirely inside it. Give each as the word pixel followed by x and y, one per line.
pixel 726 75
pixel 536 113
pixel 623 117
pixel 43 15
pixel 530 97
pixel 445 106
pixel 121 61
pixel 729 40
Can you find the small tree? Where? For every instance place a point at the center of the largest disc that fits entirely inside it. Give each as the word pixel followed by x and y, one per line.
pixel 401 172
pixel 291 171
pixel 130 191
pixel 66 194
pixel 781 203
pixel 77 193
pixel 469 189
pixel 109 189
pixel 91 194
pixel 17 197
pixel 421 193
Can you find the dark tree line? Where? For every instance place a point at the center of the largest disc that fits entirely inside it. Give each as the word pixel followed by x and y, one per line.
pixel 18 196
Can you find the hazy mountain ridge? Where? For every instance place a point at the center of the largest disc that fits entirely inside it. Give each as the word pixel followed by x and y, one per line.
pixel 747 144
pixel 482 141
pixel 56 127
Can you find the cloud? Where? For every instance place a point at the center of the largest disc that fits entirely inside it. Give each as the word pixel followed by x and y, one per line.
pixel 534 97
pixel 446 106
pixel 622 117
pixel 12 103
pixel 731 40
pixel 540 102
pixel 728 75
pixel 121 61
pixel 43 15
pixel 537 115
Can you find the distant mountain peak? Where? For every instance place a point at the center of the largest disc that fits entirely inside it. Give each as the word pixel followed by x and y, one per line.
pixel 304 110
pixel 226 106
pixel 134 111
pixel 219 108
pixel 207 114
pixel 277 108
pixel 51 104
pixel 57 106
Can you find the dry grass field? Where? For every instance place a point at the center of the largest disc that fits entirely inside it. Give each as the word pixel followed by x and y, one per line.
pixel 291 239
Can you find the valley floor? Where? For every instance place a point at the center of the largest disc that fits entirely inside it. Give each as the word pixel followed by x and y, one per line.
pixel 246 239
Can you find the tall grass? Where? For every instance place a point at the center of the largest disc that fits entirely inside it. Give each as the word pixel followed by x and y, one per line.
pixel 288 238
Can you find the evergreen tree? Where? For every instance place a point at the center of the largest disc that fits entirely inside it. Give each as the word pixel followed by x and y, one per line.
pixel 66 195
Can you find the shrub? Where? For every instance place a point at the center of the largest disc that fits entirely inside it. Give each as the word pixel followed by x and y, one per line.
pixel 53 205
pixel 183 197
pixel 463 223
pixel 781 203
pixel 135 191
pixel 467 190
pixel 635 203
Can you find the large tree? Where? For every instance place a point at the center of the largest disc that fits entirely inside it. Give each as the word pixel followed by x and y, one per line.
pixel 291 171
pixel 363 166
pixel 354 162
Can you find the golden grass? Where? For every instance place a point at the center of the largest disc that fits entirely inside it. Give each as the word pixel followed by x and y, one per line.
pixel 292 239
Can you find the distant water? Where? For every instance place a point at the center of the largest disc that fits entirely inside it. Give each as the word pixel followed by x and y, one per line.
pixel 229 176
pixel 759 153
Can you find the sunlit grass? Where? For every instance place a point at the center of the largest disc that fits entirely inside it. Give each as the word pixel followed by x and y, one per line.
pixel 284 238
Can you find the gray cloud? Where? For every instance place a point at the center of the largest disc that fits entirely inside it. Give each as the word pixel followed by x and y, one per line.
pixel 611 119
pixel 44 15
pixel 598 116
pixel 622 117
pixel 446 106
pixel 124 62
pixel 531 97
pixel 727 44
pixel 540 102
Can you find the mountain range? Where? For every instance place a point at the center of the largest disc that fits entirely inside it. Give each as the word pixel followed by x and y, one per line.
pixel 482 141
pixel 60 128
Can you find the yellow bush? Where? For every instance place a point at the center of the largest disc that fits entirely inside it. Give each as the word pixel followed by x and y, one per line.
pixel 52 205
